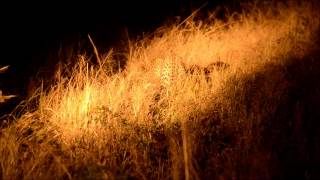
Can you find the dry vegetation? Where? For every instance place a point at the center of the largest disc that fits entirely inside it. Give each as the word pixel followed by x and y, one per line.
pixel 3 97
pixel 197 100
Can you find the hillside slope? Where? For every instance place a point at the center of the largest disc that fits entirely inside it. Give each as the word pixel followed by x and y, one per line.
pixel 218 99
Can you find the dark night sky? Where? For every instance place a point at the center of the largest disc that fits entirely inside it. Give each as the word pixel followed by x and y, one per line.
pixel 30 30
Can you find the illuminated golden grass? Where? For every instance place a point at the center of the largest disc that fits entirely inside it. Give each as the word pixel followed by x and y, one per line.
pixel 145 121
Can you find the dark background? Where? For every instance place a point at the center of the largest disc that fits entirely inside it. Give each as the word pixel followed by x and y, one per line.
pixel 32 33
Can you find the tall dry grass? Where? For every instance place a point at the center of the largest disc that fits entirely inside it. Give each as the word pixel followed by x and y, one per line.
pixel 172 113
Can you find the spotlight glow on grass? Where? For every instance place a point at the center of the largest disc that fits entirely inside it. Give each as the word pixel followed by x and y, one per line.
pixel 171 113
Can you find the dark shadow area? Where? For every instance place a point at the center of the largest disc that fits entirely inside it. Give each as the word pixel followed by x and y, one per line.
pixel 271 129
pixel 292 133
